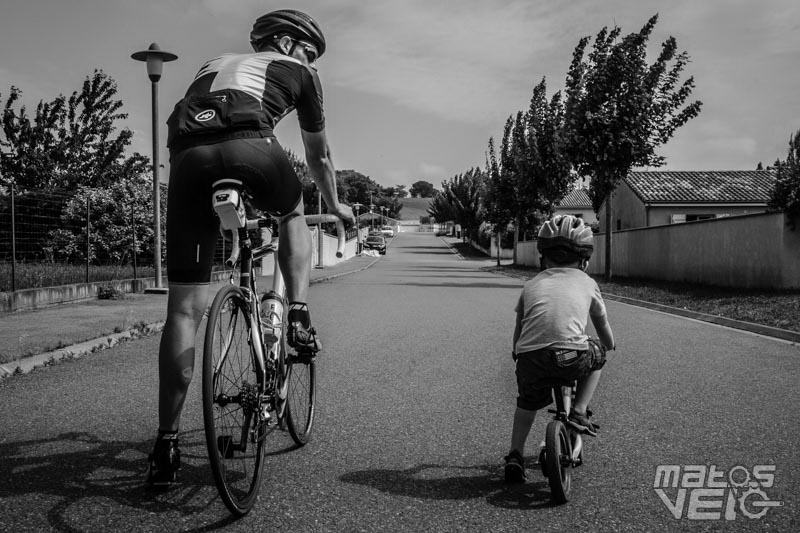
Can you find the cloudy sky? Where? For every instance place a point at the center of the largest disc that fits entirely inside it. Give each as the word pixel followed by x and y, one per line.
pixel 415 88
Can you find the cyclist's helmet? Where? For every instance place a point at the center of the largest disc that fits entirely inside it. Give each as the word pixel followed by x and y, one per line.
pixel 565 239
pixel 296 24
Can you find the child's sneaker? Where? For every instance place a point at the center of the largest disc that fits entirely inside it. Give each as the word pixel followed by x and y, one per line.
pixel 164 462
pixel 581 423
pixel 515 467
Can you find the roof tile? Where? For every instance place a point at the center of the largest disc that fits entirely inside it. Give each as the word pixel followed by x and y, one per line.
pixel 576 199
pixel 710 186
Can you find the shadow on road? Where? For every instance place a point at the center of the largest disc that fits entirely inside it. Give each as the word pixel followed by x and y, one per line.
pixel 79 469
pixel 445 482
pixel 511 285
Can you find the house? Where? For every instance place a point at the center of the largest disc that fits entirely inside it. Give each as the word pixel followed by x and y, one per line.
pixel 577 203
pixel 655 198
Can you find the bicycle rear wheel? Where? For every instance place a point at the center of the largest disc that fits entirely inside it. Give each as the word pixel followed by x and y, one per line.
pixel 300 396
pixel 558 461
pixel 232 402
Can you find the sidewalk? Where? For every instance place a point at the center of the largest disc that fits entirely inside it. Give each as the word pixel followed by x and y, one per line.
pixel 35 338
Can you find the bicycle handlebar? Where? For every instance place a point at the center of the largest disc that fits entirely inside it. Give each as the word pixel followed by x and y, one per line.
pixel 312 220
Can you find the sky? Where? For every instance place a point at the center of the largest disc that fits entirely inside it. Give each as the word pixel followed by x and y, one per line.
pixel 414 89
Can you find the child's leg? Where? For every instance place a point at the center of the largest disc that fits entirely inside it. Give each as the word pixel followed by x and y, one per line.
pixel 585 391
pixel 523 420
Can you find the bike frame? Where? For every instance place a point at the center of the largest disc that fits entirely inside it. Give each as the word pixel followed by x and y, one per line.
pixel 563 395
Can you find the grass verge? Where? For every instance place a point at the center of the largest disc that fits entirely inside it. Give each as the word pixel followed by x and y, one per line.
pixel 770 308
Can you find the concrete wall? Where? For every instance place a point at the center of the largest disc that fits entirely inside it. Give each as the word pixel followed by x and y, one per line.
pixel 628 209
pixel 748 251
pixel 658 215
pixel 505 253
pixel 29 299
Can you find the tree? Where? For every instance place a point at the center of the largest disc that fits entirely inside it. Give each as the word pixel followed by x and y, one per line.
pixel 619 109
pixel 115 213
pixel 500 192
pixel 69 142
pixel 786 192
pixel 421 189
pixel 463 192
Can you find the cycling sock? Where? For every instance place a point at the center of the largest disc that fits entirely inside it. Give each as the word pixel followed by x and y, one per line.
pixel 298 312
pixel 167 435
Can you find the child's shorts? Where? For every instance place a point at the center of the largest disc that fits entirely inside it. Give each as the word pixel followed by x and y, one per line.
pixel 539 371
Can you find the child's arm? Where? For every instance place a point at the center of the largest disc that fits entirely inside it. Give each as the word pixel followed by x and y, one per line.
pixel 517 328
pixel 603 331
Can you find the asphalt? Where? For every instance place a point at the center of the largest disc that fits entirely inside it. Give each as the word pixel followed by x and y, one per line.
pixel 27 338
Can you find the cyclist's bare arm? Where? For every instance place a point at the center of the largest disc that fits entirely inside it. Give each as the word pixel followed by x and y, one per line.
pixel 603 331
pixel 318 157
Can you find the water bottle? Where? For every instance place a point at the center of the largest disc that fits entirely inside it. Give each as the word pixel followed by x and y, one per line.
pixel 271 316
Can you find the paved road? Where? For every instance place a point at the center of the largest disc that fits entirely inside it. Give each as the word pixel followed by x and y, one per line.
pixel 416 394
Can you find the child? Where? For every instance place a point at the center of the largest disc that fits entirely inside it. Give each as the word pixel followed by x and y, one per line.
pixel 550 342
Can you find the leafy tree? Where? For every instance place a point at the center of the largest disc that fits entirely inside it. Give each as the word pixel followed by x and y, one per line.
pixel 619 109
pixel 68 142
pixel 421 189
pixel 115 213
pixel 500 196
pixel 463 192
pixel 786 192
pixel 440 208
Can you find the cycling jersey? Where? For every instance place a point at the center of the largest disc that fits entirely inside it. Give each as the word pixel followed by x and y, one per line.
pixel 223 127
pixel 247 92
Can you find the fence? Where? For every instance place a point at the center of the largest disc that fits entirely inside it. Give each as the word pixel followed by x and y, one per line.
pixel 746 251
pixel 57 238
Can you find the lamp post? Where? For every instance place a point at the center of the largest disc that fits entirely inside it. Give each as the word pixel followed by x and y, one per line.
pixel 357 206
pixel 155 58
pixel 384 209
pixel 371 218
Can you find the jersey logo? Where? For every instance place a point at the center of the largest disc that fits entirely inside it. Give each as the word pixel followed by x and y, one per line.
pixel 205 116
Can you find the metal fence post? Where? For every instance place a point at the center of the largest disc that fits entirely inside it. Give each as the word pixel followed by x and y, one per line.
pixel 13 242
pixel 88 229
pixel 133 227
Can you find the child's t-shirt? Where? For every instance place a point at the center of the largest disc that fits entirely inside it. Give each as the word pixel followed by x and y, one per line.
pixel 555 306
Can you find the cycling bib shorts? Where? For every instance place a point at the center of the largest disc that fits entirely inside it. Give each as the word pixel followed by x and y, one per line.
pixel 192 225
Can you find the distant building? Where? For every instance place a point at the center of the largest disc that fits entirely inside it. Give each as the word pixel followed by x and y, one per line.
pixel 656 198
pixel 577 203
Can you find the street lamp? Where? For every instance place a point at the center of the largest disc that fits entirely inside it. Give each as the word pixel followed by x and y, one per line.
pixel 357 206
pixel 384 210
pixel 155 58
pixel 371 218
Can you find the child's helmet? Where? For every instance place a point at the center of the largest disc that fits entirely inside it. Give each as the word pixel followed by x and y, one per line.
pixel 565 238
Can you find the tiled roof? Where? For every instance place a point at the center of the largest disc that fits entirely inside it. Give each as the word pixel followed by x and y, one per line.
pixel 575 199
pixel 710 186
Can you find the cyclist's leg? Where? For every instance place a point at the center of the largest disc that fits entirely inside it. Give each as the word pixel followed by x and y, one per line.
pixel 185 308
pixel 191 237
pixel 294 254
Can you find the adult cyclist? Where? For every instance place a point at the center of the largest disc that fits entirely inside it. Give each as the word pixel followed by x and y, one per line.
pixel 223 128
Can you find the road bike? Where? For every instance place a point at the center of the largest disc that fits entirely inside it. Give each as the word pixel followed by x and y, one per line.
pixel 251 384
pixel 562 449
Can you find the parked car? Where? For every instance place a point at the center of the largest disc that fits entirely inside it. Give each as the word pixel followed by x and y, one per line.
pixel 387 231
pixel 374 233
pixel 376 242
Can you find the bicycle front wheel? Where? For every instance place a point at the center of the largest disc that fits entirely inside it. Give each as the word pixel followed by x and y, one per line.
pixel 232 402
pixel 558 461
pixel 300 396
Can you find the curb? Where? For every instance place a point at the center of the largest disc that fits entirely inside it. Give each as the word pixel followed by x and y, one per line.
pixel 76 351
pixel 767 331
pixel 26 364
